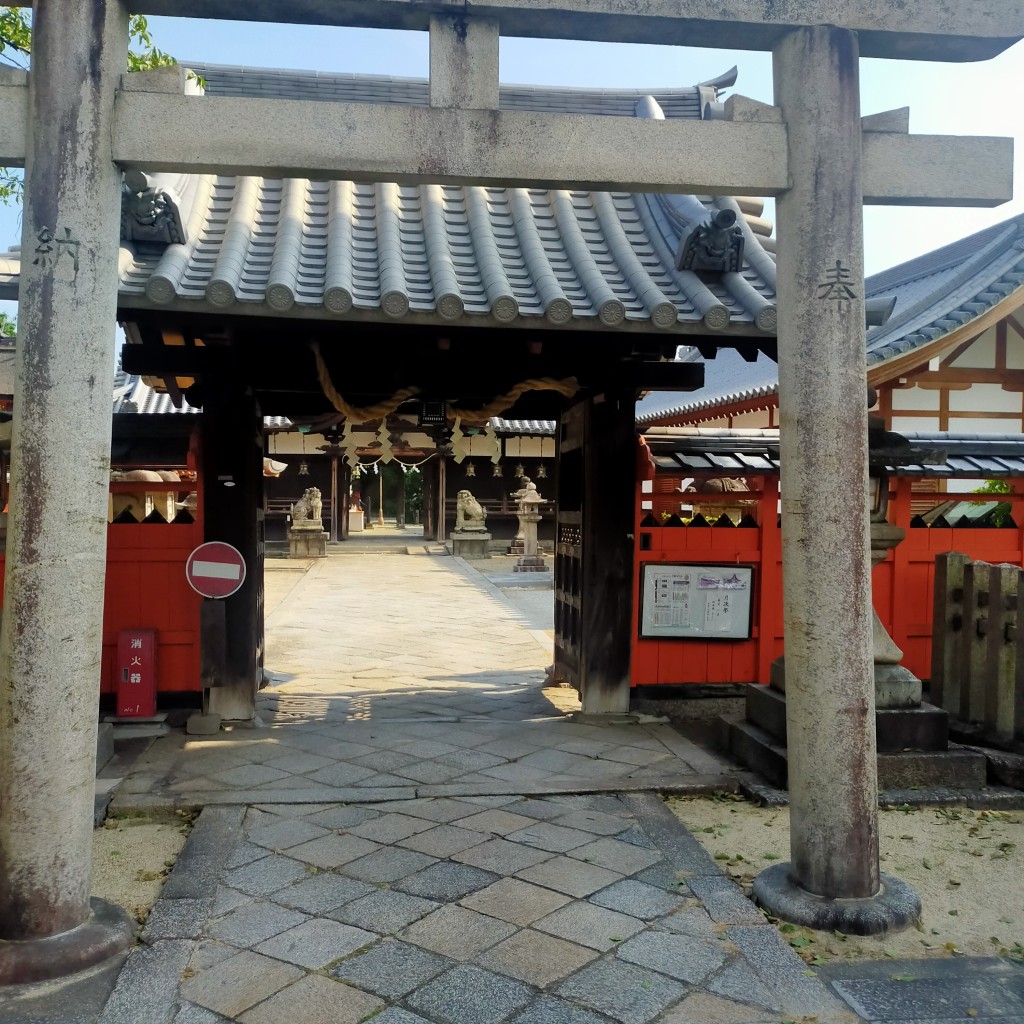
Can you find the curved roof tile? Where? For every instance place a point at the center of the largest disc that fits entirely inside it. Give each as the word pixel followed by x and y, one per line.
pixel 442 253
pixel 598 259
pixel 936 294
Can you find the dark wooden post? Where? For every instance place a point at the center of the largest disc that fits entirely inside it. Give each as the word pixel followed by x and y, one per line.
pixel 334 497
pixel 442 485
pixel 232 491
pixel 344 485
pixel 400 501
pixel 606 541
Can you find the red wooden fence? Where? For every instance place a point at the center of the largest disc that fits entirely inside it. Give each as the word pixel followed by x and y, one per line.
pixel 902 583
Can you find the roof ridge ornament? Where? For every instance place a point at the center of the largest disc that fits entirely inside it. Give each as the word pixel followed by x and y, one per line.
pixel 150 213
pixel 714 245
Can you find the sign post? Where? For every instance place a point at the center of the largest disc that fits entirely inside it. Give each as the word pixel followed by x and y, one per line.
pixel 215 569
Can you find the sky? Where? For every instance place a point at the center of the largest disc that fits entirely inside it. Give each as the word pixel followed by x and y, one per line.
pixel 951 99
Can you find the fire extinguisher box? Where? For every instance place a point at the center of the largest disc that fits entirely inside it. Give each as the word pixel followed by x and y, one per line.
pixel 136 673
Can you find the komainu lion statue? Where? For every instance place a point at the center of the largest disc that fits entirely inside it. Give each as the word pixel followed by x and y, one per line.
pixel 469 515
pixel 309 506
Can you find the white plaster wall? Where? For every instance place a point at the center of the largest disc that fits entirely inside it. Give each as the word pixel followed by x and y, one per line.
pixel 1014 350
pixel 970 425
pixel 987 397
pixel 981 354
pixel 924 399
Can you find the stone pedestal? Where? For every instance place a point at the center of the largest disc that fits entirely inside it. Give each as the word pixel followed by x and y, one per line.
pixel 471 544
pixel 307 540
pixel 530 563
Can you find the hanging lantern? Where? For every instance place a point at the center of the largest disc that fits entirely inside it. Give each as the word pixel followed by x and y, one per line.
pixel 541 472
pixel 303 465
pixel 519 469
pixel 470 469
pixel 496 472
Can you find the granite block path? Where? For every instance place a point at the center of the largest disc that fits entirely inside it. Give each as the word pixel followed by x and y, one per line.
pixel 394 677
pixel 421 832
pixel 278 930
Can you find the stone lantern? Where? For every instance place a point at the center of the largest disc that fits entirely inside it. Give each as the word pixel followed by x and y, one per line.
pixel 529 516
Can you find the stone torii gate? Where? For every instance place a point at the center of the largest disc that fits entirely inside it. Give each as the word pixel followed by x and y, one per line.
pixel 77 122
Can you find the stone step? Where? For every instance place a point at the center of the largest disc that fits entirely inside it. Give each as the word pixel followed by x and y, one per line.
pixel 955 768
pixel 899 729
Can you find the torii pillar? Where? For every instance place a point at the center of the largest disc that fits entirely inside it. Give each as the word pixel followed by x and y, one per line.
pixel 60 456
pixel 833 880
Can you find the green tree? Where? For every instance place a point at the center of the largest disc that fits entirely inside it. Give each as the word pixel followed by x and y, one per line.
pixel 8 325
pixel 16 49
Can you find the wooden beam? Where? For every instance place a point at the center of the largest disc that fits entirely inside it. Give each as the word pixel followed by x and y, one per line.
pixel 933 31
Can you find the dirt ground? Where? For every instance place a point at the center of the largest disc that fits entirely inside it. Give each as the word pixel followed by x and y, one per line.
pixel 132 857
pixel 967 866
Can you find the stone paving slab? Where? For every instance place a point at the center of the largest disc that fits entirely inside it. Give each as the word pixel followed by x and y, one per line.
pixel 417 679
pixel 424 834
pixel 453 943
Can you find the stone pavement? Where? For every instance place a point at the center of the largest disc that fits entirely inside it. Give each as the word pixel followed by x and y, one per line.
pixel 558 910
pixel 422 833
pixel 398 676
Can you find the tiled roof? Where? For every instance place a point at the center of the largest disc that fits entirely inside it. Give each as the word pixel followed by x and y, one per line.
pixel 277 83
pixel 935 294
pixel 536 428
pixel 446 253
pixel 440 253
pixel 728 379
pixel 947 288
pixel 133 395
pixel 699 451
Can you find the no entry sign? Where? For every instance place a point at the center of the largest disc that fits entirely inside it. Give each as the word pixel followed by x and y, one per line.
pixel 215 569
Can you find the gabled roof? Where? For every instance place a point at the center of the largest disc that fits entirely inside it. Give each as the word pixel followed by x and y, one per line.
pixel 936 295
pixel 285 84
pixel 701 451
pixel 438 254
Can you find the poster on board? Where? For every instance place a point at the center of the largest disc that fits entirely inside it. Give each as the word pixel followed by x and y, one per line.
pixel 707 602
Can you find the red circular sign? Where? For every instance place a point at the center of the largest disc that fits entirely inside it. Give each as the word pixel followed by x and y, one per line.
pixel 215 569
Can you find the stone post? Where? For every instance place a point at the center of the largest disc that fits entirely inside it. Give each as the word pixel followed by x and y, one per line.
pixel 60 465
pixel 833 880
pixel 463 61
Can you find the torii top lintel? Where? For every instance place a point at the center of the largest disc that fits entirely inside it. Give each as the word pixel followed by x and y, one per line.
pixel 945 30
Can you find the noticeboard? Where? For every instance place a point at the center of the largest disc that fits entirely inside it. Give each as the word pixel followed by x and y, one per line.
pixel 707 602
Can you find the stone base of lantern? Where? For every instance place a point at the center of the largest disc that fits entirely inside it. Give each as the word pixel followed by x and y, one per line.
pixel 530 563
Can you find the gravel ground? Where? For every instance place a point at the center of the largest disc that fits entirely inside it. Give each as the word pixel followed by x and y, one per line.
pixel 967 866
